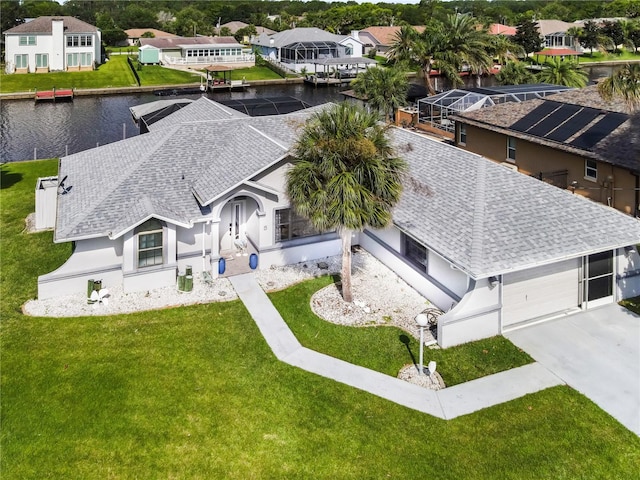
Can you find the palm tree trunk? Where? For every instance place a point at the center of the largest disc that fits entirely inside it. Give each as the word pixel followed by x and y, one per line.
pixel 345 274
pixel 426 72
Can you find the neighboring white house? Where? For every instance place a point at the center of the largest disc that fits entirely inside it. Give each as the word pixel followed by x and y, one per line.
pixel 199 50
pixel 489 246
pixel 300 48
pixel 556 34
pixel 51 44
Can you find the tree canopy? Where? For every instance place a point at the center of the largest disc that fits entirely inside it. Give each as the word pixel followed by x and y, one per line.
pixel 345 176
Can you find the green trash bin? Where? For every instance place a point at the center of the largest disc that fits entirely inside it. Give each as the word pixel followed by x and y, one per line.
pixel 188 283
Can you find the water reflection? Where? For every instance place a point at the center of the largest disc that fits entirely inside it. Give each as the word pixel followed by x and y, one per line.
pixel 31 130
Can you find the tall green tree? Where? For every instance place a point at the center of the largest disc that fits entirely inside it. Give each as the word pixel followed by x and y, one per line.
pixel 590 36
pixel 528 36
pixel 515 73
pixel 402 47
pixel 345 176
pixel 624 84
pixel 613 30
pixel 504 50
pixel 385 89
pixel 567 73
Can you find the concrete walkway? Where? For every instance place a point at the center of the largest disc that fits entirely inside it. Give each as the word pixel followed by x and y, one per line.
pixel 446 404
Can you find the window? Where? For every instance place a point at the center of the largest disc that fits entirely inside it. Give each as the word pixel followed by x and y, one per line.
pixel 415 252
pixel 79 40
pixel 75 59
pixel 462 134
pixel 149 243
pixel 27 40
pixel 22 61
pixel 591 169
pixel 290 225
pixel 42 60
pixel 511 148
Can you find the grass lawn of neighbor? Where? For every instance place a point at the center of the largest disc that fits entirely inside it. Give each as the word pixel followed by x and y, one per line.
pixel 609 57
pixel 195 392
pixel 117 73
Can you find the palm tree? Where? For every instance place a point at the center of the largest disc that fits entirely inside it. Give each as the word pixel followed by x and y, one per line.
pixel 465 46
pixel 403 43
pixel 345 176
pixel 384 88
pixel 625 83
pixel 567 73
pixel 505 50
pixel 515 73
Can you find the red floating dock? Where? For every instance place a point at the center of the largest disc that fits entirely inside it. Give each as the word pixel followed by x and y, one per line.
pixel 55 94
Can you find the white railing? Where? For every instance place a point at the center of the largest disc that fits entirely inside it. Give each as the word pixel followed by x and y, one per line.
pixel 245 58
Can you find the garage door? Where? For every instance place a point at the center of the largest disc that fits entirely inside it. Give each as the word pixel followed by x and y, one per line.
pixel 540 291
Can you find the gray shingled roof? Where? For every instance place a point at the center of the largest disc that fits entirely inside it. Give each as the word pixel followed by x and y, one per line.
pixel 499 118
pixel 180 42
pixel 295 35
pixel 202 110
pixel 42 25
pixel 171 172
pixel 481 216
pixel 488 219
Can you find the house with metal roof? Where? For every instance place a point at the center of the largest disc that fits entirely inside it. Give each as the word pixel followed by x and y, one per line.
pixel 304 48
pixel 573 139
pixel 206 189
pixel 52 44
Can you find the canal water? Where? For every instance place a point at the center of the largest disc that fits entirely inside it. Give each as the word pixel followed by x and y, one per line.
pixel 30 130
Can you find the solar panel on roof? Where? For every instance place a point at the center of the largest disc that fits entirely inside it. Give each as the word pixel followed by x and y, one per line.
pixel 534 116
pixel 557 117
pixel 257 107
pixel 574 125
pixel 597 132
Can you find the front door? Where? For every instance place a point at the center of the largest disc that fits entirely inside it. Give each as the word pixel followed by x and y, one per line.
pixel 598 279
pixel 237 220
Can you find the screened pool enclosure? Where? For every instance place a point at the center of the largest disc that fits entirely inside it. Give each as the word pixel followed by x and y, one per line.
pixel 436 109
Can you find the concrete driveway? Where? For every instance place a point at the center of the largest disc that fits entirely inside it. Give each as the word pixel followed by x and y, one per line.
pixel 597 352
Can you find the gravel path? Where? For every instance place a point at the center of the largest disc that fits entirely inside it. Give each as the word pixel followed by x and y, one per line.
pixel 380 296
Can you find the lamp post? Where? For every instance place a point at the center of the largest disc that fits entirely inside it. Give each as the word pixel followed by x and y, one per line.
pixel 422 321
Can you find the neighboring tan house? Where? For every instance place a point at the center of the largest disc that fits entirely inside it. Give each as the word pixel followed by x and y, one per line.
pixel 134 34
pixel 573 139
pixel 52 44
pixel 304 48
pixel 197 51
pixel 381 39
pixel 490 247
pixel 237 25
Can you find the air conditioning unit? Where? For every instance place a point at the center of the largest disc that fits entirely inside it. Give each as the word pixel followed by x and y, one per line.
pixel 510 166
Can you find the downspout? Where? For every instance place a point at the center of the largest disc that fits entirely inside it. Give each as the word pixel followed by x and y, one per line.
pixel 203 247
pixel 637 200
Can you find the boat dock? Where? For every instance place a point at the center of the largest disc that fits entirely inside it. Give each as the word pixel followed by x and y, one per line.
pixel 55 94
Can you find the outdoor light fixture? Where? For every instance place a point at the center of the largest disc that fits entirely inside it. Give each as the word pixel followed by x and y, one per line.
pixel 493 281
pixel 422 321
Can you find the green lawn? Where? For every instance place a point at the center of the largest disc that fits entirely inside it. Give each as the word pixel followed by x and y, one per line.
pixel 196 393
pixel 117 73
pixel 387 349
pixel 600 57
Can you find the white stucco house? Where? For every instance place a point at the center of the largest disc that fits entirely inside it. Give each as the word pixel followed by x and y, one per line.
pixel 304 48
pixel 197 51
pixel 51 44
pixel 489 246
